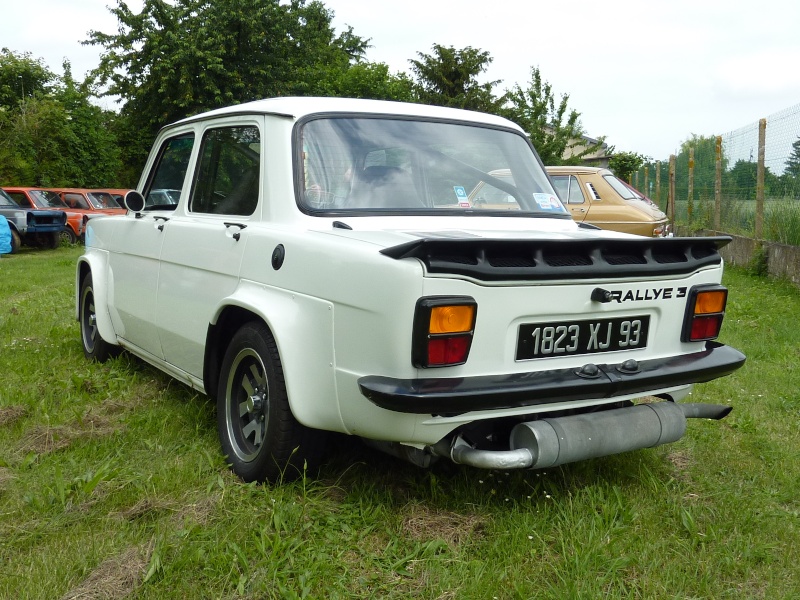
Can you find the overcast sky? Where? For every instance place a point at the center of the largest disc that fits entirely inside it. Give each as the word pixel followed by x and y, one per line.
pixel 647 75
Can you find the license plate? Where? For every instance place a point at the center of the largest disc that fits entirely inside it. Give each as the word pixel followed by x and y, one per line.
pixel 591 336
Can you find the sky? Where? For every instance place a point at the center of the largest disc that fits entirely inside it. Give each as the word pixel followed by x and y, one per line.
pixel 646 75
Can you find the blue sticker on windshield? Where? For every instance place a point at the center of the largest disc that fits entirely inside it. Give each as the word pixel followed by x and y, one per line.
pixel 548 202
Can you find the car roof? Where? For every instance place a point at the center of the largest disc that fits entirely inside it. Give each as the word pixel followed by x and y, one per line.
pixel 573 169
pixel 299 107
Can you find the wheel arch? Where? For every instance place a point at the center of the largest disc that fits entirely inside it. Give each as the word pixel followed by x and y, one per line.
pixel 303 331
pixel 94 265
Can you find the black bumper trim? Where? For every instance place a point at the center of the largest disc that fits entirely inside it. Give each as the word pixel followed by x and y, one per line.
pixel 452 396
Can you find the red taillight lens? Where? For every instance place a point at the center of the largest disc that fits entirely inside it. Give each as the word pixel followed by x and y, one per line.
pixel 443 329
pixel 448 350
pixel 705 311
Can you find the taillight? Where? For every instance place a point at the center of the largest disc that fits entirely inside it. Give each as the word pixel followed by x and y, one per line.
pixel 443 329
pixel 705 310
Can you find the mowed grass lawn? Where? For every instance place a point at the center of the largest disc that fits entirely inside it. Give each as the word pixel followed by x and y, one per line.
pixel 112 485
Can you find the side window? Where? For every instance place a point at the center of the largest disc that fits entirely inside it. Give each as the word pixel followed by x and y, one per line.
pixel 568 188
pixel 226 181
pixel 166 179
pixel 76 201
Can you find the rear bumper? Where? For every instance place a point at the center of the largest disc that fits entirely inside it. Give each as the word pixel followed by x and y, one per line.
pixel 459 395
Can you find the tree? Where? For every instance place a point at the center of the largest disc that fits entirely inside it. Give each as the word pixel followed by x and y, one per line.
pixel 793 163
pixel 373 80
pixel 624 164
pixel 552 127
pixel 449 77
pixel 53 134
pixel 21 77
pixel 175 59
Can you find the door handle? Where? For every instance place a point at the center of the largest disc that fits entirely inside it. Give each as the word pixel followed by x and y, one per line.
pixel 160 226
pixel 236 234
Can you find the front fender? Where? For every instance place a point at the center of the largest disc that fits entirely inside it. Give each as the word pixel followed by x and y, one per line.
pixel 303 330
pixel 96 263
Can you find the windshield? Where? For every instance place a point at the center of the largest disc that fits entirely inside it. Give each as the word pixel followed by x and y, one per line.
pixel 622 189
pixel 7 201
pixel 102 200
pixel 47 199
pixel 381 165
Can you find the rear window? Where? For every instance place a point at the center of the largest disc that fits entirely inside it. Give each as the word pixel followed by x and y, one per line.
pixel 379 165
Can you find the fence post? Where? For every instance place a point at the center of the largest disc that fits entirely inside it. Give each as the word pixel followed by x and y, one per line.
pixel 671 193
pixel 762 135
pixel 718 186
pixel 658 183
pixel 690 199
pixel 646 174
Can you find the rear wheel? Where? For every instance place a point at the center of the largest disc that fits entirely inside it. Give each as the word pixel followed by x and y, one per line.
pixel 94 346
pixel 258 432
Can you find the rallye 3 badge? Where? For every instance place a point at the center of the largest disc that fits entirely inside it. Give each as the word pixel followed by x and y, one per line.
pixel 619 296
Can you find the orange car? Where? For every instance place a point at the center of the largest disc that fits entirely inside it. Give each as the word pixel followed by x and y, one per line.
pixel 31 197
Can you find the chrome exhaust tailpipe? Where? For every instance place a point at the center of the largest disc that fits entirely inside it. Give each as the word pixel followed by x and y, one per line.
pixel 560 440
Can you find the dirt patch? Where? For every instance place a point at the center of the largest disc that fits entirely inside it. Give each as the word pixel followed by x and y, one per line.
pixel 11 414
pixel 116 577
pixel 45 439
pixel 423 523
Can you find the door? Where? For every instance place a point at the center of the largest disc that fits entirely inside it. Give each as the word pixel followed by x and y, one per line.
pixel 203 248
pixel 134 270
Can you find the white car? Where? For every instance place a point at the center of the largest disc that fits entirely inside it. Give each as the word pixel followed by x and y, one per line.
pixel 324 271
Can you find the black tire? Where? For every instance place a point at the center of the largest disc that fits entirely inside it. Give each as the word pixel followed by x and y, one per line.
pixel 259 435
pixel 16 241
pixel 94 346
pixel 68 236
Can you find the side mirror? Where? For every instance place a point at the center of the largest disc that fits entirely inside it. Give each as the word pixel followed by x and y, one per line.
pixel 134 201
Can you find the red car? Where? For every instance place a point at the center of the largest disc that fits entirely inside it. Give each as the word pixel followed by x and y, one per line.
pixel 31 197
pixel 92 203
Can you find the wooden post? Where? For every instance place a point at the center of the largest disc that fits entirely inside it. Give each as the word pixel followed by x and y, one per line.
pixel 762 136
pixel 658 183
pixel 718 186
pixel 671 194
pixel 646 191
pixel 690 199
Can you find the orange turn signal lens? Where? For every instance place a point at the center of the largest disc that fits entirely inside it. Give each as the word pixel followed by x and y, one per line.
pixel 712 301
pixel 452 319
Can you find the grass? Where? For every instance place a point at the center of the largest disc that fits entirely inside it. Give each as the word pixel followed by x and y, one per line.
pixel 112 485
pixel 781 219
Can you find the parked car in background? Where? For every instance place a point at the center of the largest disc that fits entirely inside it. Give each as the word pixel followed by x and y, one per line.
pixel 32 227
pixel 324 270
pixel 596 196
pixel 91 203
pixel 31 197
pixel 118 194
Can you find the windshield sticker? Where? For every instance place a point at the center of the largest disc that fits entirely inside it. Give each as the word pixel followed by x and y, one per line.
pixel 548 202
pixel 461 196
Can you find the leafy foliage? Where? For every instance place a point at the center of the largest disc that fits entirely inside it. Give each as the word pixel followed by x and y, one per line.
pixel 173 60
pixel 449 77
pixel 623 164
pixel 554 129
pixel 52 134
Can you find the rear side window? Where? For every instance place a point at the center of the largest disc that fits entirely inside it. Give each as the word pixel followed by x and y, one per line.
pixel 166 179
pixel 568 188
pixel 227 176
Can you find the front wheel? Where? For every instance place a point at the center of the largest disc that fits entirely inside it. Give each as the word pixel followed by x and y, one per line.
pixel 258 432
pixel 94 346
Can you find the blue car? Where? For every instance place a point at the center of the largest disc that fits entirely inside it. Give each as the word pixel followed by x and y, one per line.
pixel 31 227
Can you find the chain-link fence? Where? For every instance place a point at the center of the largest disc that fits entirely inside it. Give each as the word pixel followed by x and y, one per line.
pixel 745 182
